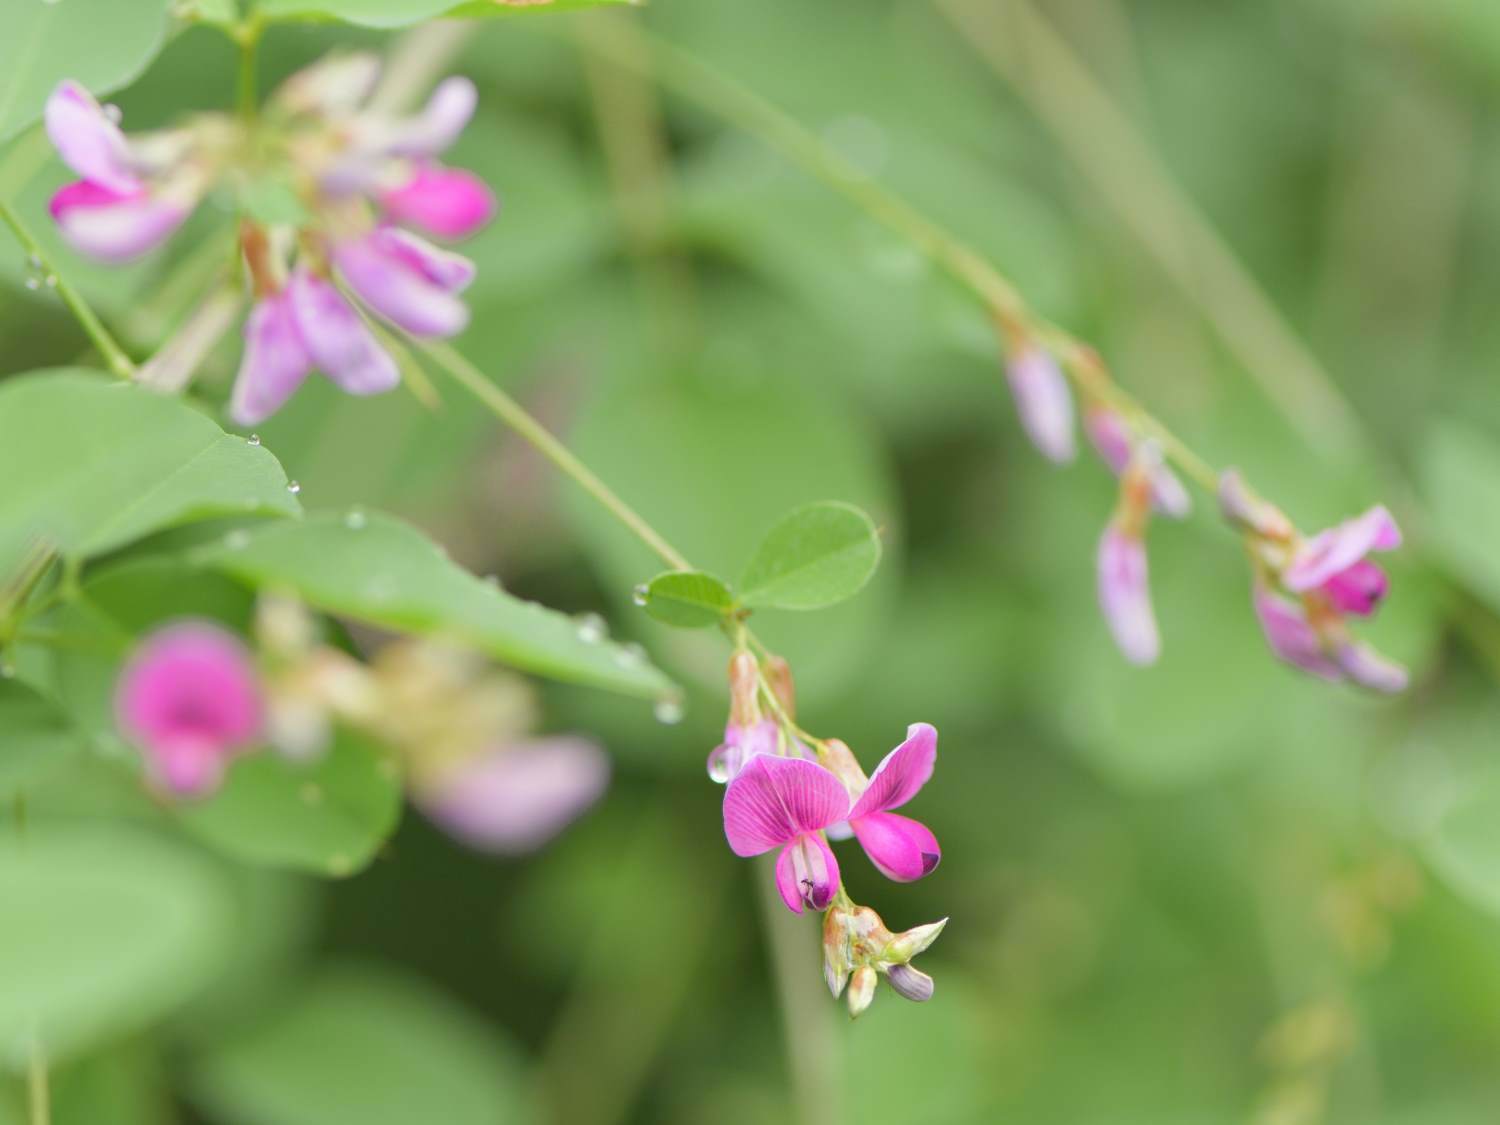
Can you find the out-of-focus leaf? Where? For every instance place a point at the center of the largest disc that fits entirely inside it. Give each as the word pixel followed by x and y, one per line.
pixel 816 557
pixel 329 816
pixel 1459 468
pixel 688 599
pixel 1465 841
pixel 107 929
pixel 35 736
pixel 379 570
pixel 91 464
pixel 361 1046
pixel 403 13
pixel 101 43
pixel 124 1085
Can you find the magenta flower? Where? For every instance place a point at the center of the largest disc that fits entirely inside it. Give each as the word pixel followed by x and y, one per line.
pixel 516 797
pixel 900 848
pixel 741 743
pixel 190 699
pixel 445 202
pixel 1333 562
pixel 1317 642
pixel 1112 440
pixel 786 803
pixel 114 212
pixel 1043 401
pixel 407 280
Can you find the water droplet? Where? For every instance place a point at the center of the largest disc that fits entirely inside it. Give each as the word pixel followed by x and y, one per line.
pixel 237 540
pixel 630 656
pixel 35 263
pixel 293 487
pixel 253 439
pixel 591 628
pixel 311 793
pixel 50 3
pixel 668 710
pixel 354 519
pixel 50 280
pixel 640 594
pixel 33 283
pixel 112 112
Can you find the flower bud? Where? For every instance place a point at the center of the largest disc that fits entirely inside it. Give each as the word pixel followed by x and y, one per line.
pixel 903 947
pixel 779 676
pixel 836 949
pixel 744 682
pixel 861 989
pixel 912 983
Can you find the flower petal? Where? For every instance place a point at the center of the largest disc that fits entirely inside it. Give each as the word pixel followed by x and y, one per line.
pixel 439 124
pixel 1110 438
pixel 88 141
pixel 807 874
pixel 1125 595
pixel 114 226
pixel 911 983
pixel 275 363
pixel 774 800
pixel 517 797
pixel 1369 669
pixel 739 746
pixel 446 202
pixel 1357 589
pixel 1291 636
pixel 1044 402
pixel 901 773
pixel 901 848
pixel 338 341
pixel 1332 551
pixel 409 282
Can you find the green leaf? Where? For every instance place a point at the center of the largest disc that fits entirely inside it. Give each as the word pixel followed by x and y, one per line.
pixel 328 816
pixel 103 44
pixel 688 599
pixel 1465 842
pixel 361 1046
pixel 106 930
pixel 35 737
pixel 815 557
pixel 379 570
pixel 91 464
pixel 403 13
pixel 1459 467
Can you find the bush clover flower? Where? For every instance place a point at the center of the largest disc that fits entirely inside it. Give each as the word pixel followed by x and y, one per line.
pixel 1123 576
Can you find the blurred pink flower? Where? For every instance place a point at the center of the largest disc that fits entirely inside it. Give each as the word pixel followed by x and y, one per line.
pixel 1043 401
pixel 901 848
pixel 518 796
pixel 786 803
pixel 1125 594
pixel 1333 562
pixel 1112 440
pixel 1320 644
pixel 190 699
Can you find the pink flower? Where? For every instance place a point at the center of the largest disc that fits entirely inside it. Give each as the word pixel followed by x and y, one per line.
pixel 786 803
pixel 518 796
pixel 1125 594
pixel 305 326
pixel 741 743
pixel 112 213
pixel 189 698
pixel 1333 562
pixel 900 848
pixel 1321 645
pixel 1113 441
pixel 444 202
pixel 1043 401
pixel 407 280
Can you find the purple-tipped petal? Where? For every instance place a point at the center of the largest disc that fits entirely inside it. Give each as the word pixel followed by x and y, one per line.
pixel 189 698
pixel 439 124
pixel 275 363
pixel 338 341
pixel 739 746
pixel 1367 668
pixel 408 281
pixel 515 798
pixel 114 226
pixel 1291 636
pixel 1330 552
pixel 901 848
pixel 1125 595
pixel 911 983
pixel 774 800
pixel 88 141
pixel 1044 403
pixel 900 774
pixel 1357 589
pixel 807 874
pixel 445 202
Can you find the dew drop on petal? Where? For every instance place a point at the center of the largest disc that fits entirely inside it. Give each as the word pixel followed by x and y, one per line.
pixel 253 439
pixel 668 710
pixel 293 487
pixel 640 594
pixel 591 628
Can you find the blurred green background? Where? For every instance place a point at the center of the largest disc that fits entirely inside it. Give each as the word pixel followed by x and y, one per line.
pixel 1209 892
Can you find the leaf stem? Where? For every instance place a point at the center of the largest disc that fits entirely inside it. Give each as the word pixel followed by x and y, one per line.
pixel 516 416
pixel 113 355
pixel 247 34
pixel 38 1093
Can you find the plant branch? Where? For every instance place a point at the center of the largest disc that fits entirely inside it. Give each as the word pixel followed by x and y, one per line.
pixel 113 355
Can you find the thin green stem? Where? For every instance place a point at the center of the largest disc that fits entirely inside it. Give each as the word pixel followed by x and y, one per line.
pixel 38 1092
pixel 247 35
pixel 113 355
pixel 514 415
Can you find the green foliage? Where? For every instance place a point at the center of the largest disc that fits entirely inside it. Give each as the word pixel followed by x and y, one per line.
pixel 1460 466
pixel 357 1045
pixel 688 599
pixel 101 43
pixel 814 558
pixel 92 465
pixel 37 736
pixel 379 570
pixel 404 13
pixel 328 816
